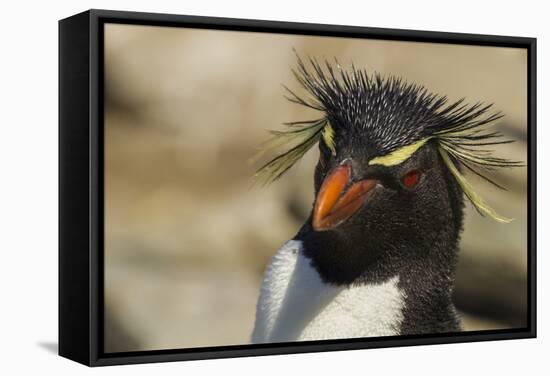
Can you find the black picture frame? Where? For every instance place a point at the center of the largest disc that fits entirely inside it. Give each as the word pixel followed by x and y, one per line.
pixel 81 185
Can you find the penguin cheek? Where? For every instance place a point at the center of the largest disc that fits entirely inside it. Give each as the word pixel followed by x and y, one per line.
pixel 317 178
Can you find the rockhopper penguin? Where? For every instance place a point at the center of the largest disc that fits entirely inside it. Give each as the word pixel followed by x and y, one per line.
pixel 377 255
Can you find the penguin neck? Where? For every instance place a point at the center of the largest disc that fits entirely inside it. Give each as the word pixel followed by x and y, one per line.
pixel 355 258
pixel 424 272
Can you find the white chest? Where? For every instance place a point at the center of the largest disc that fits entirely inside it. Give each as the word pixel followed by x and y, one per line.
pixel 295 304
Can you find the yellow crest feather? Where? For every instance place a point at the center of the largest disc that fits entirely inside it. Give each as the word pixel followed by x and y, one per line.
pixel 298 141
pixel 474 198
pixel 399 155
pixel 328 136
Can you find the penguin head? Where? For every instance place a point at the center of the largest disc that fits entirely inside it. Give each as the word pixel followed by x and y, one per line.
pixel 411 198
pixel 391 158
pixel 376 130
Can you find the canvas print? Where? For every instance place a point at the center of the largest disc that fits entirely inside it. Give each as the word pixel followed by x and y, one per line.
pixel 274 188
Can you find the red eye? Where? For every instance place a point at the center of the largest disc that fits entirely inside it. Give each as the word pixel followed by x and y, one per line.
pixel 411 179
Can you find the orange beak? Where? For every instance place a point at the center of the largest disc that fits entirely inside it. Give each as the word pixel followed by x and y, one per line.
pixel 334 206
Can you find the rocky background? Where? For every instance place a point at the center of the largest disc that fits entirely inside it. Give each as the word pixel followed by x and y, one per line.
pixel 188 236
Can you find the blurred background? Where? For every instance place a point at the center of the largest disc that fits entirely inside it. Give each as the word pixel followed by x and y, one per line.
pixel 187 236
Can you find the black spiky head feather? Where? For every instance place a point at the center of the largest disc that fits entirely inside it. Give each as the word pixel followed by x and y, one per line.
pixel 397 117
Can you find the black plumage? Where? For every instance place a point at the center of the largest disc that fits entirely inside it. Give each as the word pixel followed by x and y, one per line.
pixel 410 231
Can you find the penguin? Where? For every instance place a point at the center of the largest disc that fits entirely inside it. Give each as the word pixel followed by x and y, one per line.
pixel 378 252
